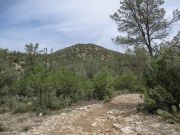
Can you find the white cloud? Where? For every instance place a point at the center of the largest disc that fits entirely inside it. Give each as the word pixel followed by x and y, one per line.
pixel 60 23
pixel 70 18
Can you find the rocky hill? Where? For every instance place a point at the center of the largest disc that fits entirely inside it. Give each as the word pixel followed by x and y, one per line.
pixel 86 52
pixel 83 57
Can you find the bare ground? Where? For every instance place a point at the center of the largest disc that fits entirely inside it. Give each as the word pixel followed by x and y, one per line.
pixel 119 117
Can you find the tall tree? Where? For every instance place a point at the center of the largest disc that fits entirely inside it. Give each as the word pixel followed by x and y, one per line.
pixel 144 23
pixel 31 52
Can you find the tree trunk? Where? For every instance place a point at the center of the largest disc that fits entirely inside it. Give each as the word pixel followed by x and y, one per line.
pixel 150 50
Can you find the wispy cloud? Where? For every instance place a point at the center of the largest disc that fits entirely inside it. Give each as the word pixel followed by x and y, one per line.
pixel 60 23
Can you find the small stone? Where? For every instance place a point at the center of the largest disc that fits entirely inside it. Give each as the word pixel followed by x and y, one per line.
pixel 94 124
pixel 119 118
pixel 138 123
pixel 40 114
pixel 128 119
pixel 117 112
pixel 114 112
pixel 126 130
pixel 111 117
pixel 110 112
pixel 156 125
pixel 117 126
pixel 83 108
pixel 63 114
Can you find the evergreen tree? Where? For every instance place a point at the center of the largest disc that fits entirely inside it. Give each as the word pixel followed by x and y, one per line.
pixel 144 22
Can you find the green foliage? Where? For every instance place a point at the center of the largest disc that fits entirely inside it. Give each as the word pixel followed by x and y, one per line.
pixel 91 69
pixel 19 105
pixel 163 79
pixel 158 98
pixel 56 103
pixel 37 81
pixel 3 109
pixel 85 52
pixel 107 99
pixel 43 88
pixel 86 90
pixel 129 81
pixel 8 71
pixel 103 85
pixel 66 84
pixel 174 108
pixel 173 117
pixel 144 23
pixel 138 59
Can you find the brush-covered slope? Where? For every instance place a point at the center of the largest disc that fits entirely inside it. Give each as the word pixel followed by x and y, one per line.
pixel 82 57
pixel 86 52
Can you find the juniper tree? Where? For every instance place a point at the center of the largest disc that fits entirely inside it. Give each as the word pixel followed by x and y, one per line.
pixel 144 23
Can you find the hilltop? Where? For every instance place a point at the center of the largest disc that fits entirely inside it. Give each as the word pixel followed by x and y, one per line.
pixel 87 58
pixel 86 52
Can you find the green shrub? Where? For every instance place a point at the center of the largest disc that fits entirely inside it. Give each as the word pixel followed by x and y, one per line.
pixel 66 84
pixel 40 103
pixel 128 81
pixel 57 103
pixel 107 99
pixel 163 79
pixel 103 85
pixel 3 109
pixel 173 117
pixel 18 106
pixel 158 98
pixel 86 90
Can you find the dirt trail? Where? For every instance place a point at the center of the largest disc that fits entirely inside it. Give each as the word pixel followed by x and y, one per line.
pixel 119 117
pixel 102 119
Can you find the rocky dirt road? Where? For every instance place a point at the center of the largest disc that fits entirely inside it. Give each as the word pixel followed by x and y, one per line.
pixel 119 117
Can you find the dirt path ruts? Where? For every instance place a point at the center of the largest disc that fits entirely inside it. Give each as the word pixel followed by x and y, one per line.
pixel 119 117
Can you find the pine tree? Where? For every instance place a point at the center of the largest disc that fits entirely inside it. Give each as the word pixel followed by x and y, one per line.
pixel 144 23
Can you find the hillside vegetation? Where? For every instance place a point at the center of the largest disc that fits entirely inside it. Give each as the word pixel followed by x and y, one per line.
pixel 41 82
pixel 86 52
pixel 31 80
pixel 37 81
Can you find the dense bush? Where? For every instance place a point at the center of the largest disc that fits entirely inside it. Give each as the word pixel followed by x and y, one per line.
pixel 128 81
pixel 163 77
pixel 19 104
pixel 8 72
pixel 103 85
pixel 66 84
pixel 86 89
pixel 173 117
pixel 35 85
pixel 158 97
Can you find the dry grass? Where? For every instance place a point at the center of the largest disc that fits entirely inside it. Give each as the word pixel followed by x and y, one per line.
pixel 18 123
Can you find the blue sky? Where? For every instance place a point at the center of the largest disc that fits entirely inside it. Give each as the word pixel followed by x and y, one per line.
pixel 61 23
